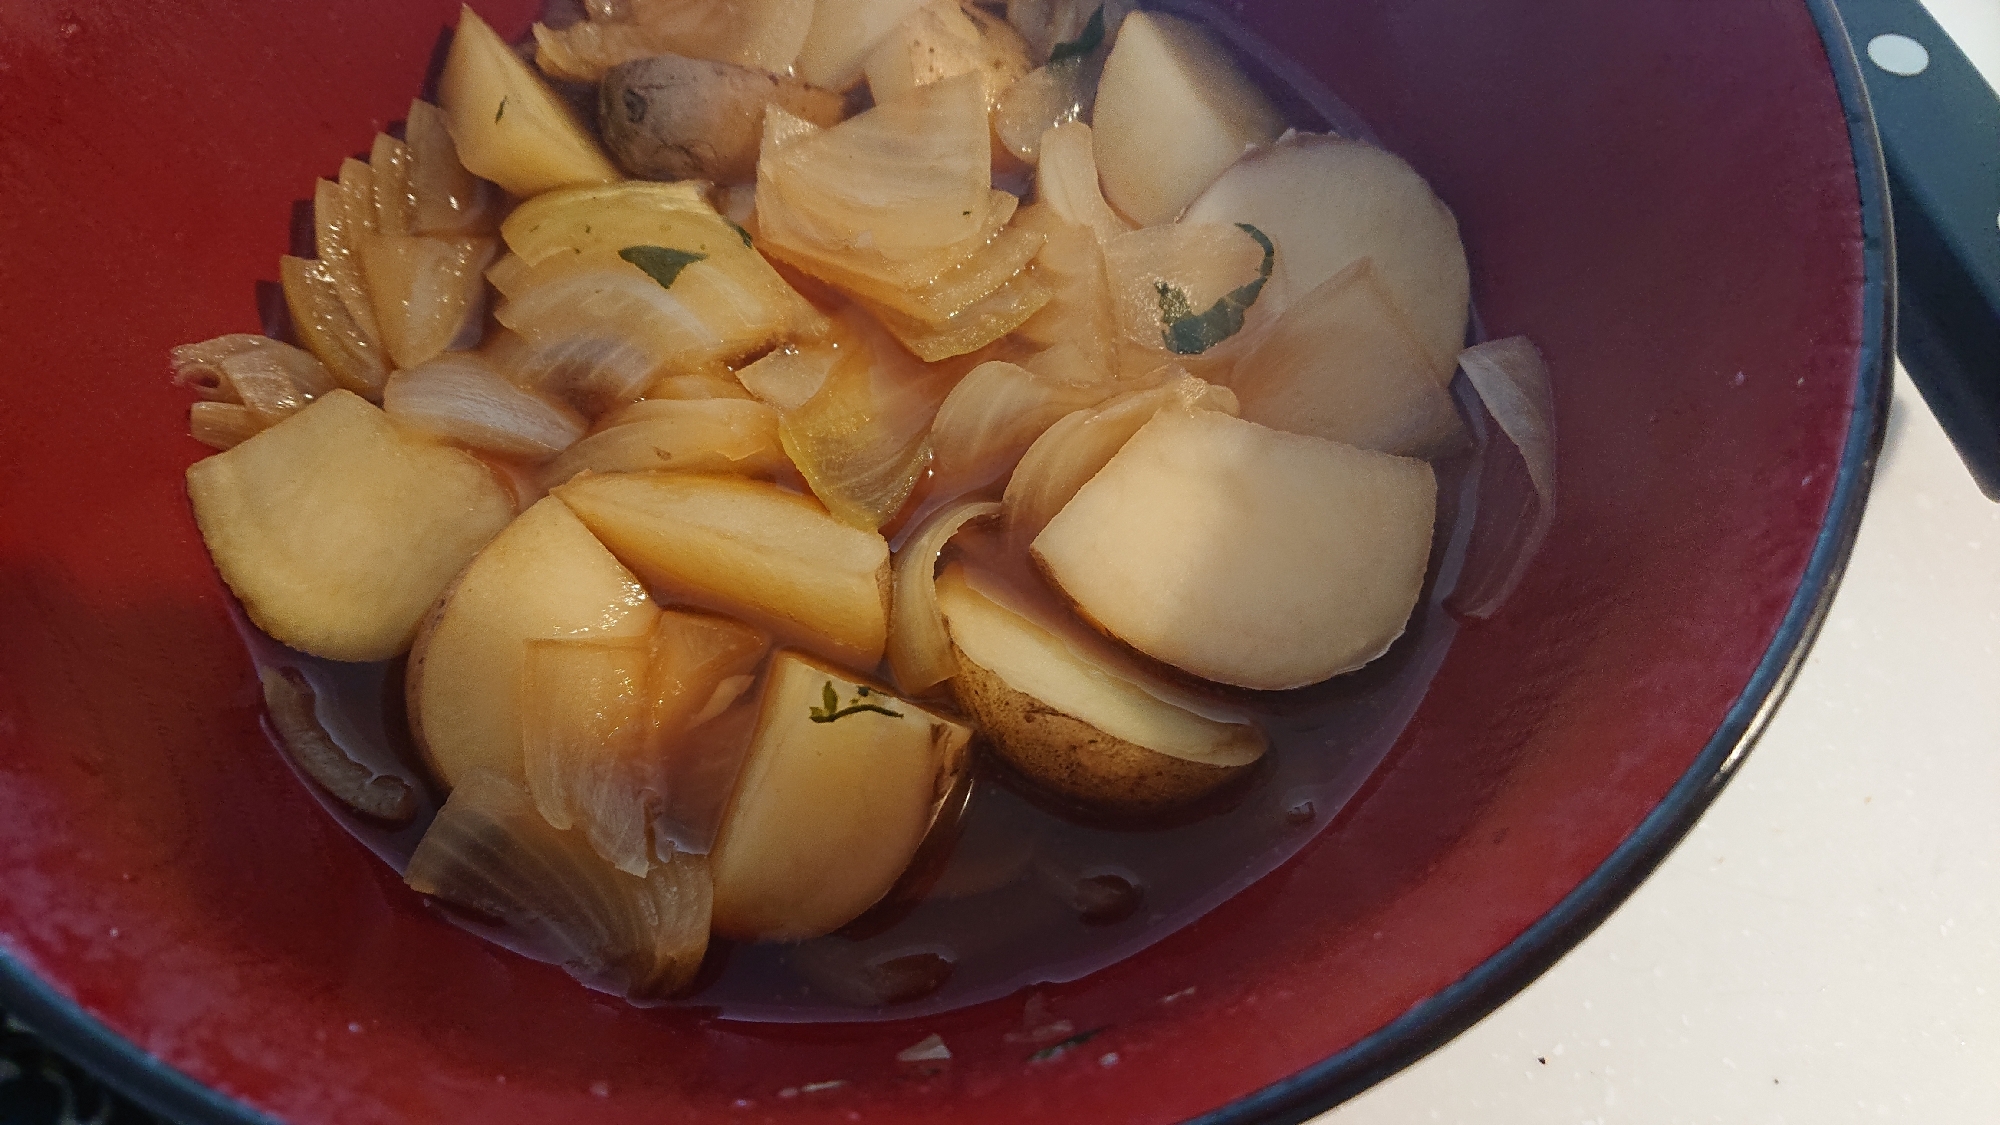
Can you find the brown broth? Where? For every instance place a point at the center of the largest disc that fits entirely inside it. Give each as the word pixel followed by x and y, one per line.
pixel 1014 891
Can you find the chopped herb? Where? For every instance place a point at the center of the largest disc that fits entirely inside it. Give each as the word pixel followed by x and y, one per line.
pixel 742 234
pixel 1062 1048
pixel 660 263
pixel 830 710
pixel 501 112
pixel 1189 333
pixel 1091 39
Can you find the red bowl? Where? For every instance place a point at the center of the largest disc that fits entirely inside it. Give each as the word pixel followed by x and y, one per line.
pixel 1687 214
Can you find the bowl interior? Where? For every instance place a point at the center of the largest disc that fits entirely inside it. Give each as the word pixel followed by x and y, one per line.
pixel 1668 206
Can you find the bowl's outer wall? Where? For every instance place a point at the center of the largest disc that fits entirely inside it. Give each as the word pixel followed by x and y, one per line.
pixel 1662 196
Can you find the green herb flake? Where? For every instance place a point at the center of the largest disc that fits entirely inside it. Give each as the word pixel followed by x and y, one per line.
pixel 501 112
pixel 1189 333
pixel 743 234
pixel 830 710
pixel 660 263
pixel 1091 39
pixel 1063 1048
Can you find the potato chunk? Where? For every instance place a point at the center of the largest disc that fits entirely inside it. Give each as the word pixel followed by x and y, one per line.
pixel 508 125
pixel 544 577
pixel 749 550
pixel 337 530
pixel 1076 726
pixel 842 783
pixel 1172 112
pixel 1244 555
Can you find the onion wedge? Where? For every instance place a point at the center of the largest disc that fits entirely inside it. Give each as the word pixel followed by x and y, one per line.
pixel 1512 381
pixel 920 656
pixel 490 851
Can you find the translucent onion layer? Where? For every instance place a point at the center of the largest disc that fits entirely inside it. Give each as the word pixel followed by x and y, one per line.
pixel 1513 382
pixel 920 656
pixel 461 398
pixel 489 851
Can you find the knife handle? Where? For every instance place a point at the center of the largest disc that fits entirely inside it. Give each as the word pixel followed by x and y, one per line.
pixel 1940 127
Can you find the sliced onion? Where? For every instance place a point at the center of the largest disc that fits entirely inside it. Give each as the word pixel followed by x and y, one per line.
pixel 789 377
pixel 862 440
pixel 461 398
pixel 920 656
pixel 701 385
pixel 1068 364
pixel 328 329
pixel 991 418
pixel 1342 362
pixel 578 220
pixel 910 176
pixel 718 435
pixel 389 160
pixel 1049 96
pixel 289 701
pixel 985 323
pixel 1203 262
pixel 1046 24
pixel 445 198
pixel 267 377
pixel 342 213
pixel 617 740
pixel 703 716
pixel 222 425
pixel 425 291
pixel 1066 181
pixel 1512 381
pixel 630 330
pixel 1075 448
pixel 491 852
pixel 1079 313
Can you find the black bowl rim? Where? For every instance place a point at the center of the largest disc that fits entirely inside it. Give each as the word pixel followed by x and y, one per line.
pixel 1432 1023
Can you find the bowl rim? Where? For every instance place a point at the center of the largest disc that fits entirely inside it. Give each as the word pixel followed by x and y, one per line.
pixel 1441 1017
pixel 159 1087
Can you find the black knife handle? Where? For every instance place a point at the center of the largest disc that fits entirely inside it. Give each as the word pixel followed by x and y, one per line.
pixel 1940 131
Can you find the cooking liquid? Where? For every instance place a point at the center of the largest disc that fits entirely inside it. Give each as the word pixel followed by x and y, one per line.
pixel 1012 891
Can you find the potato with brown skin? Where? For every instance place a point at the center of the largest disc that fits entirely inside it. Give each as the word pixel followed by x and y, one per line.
pixel 673 118
pixel 1075 723
pixel 1075 760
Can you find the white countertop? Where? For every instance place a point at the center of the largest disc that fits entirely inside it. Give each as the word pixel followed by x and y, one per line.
pixel 1825 946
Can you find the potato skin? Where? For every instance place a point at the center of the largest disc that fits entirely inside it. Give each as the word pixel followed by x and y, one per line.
pixel 672 118
pixel 1072 759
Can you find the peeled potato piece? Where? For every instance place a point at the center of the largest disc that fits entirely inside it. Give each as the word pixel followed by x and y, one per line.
pixel 843 34
pixel 1078 727
pixel 544 577
pixel 749 550
pixel 1173 111
pixel 337 530
pixel 840 787
pixel 507 124
pixel 1245 555
pixel 1328 203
